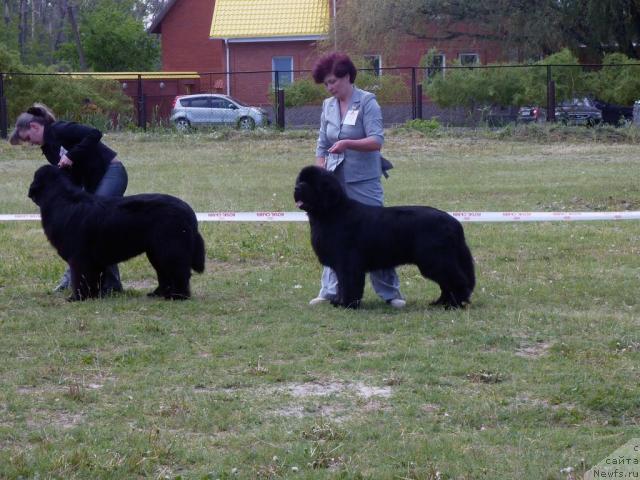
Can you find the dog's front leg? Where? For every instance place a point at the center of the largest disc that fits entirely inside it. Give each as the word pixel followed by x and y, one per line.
pixel 350 287
pixel 78 287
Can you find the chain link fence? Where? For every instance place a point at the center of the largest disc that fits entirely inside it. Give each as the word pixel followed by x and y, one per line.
pixel 453 95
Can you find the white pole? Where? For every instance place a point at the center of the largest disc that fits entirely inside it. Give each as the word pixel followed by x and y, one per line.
pixel 226 44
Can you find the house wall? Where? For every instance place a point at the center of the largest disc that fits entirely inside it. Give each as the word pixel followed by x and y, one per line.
pixel 186 45
pixel 256 57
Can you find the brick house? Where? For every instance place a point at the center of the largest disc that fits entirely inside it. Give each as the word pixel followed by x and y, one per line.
pixel 236 45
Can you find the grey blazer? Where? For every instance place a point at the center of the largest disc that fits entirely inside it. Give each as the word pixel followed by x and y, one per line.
pixel 357 166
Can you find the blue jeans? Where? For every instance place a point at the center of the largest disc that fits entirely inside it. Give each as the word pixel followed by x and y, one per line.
pixel 113 184
pixel 384 282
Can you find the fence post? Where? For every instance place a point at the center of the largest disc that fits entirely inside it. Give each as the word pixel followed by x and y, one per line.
pixel 4 114
pixel 141 110
pixel 551 96
pixel 413 93
pixel 280 111
pixel 419 101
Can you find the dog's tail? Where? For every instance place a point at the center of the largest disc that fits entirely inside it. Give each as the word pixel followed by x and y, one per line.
pixel 197 259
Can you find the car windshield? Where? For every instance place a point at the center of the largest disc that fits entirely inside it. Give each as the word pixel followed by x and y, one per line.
pixel 577 102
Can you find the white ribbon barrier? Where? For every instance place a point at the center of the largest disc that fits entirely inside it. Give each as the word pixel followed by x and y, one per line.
pixel 461 216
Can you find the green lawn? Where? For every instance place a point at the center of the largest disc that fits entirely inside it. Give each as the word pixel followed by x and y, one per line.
pixel 247 381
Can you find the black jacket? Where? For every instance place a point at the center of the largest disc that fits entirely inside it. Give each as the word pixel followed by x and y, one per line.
pixel 89 155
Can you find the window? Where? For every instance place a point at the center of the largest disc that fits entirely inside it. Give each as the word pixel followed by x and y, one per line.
pixel 221 103
pixel 198 102
pixel 436 66
pixel 469 59
pixel 373 64
pixel 283 68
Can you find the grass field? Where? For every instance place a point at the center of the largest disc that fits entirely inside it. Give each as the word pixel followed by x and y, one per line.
pixel 246 381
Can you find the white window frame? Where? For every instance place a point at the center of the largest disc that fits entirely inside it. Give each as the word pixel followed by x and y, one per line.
pixel 441 68
pixel 469 54
pixel 367 58
pixel 273 67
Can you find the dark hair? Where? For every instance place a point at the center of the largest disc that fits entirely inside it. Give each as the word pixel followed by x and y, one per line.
pixel 337 63
pixel 38 113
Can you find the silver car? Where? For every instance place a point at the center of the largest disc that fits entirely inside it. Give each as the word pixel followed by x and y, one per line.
pixel 215 109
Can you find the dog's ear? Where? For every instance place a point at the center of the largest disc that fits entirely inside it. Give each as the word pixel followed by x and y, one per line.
pixel 332 192
pixel 35 188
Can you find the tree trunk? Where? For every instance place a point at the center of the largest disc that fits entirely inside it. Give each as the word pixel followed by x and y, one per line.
pixel 76 34
pixel 7 13
pixel 22 29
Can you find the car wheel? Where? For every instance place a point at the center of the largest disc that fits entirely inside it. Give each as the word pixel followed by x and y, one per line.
pixel 246 123
pixel 183 124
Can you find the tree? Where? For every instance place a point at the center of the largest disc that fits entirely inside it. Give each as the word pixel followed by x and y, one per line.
pixel 39 29
pixel 114 40
pixel 528 28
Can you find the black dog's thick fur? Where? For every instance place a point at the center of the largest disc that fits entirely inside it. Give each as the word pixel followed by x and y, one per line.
pixel 353 238
pixel 92 232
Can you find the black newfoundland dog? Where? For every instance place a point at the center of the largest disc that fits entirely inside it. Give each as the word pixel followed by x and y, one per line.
pixel 353 238
pixel 91 232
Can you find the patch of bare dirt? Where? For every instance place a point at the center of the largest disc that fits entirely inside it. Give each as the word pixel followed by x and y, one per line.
pixel 59 420
pixel 533 351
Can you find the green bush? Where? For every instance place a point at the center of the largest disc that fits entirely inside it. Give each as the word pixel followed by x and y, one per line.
pixel 616 84
pixel 63 93
pixel 426 127
pixel 301 92
pixel 513 85
pixel 388 89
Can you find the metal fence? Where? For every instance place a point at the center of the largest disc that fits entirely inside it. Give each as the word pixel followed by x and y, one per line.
pixel 402 93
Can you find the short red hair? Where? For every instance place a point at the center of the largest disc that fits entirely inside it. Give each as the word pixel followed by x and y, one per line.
pixel 335 63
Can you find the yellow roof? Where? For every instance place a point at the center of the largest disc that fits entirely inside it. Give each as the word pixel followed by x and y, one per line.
pixel 134 75
pixel 269 18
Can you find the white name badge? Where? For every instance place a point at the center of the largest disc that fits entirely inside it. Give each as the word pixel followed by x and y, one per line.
pixel 351 117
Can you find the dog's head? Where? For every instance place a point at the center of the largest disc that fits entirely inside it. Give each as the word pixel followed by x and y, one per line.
pixel 44 178
pixel 317 190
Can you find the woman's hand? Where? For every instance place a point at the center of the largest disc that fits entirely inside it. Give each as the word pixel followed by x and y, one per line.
pixel 321 161
pixel 339 147
pixel 65 162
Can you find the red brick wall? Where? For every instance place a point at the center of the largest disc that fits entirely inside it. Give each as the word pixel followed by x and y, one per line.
pixel 185 38
pixel 254 57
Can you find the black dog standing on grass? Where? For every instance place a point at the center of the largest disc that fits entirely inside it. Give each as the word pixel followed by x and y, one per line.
pixel 353 239
pixel 92 232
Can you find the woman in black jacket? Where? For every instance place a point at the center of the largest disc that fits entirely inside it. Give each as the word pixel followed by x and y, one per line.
pixel 91 164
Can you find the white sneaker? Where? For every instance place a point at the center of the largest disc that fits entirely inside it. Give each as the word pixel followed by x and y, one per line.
pixel 318 300
pixel 397 303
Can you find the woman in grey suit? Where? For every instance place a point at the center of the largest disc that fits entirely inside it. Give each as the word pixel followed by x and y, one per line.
pixel 349 143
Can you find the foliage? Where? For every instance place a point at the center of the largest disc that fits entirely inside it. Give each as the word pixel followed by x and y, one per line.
pixel 616 84
pixel 527 84
pixel 527 29
pixel 65 94
pixel 43 33
pixel 113 40
pixel 426 127
pixel 301 92
pixel 388 89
